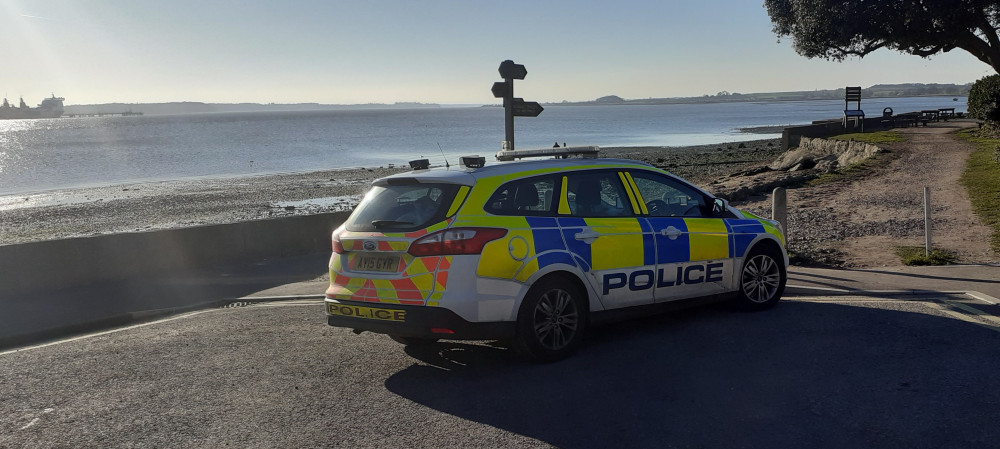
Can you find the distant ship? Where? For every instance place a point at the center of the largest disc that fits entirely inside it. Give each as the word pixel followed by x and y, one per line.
pixel 50 108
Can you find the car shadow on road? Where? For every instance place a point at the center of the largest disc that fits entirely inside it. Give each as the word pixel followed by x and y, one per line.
pixel 804 374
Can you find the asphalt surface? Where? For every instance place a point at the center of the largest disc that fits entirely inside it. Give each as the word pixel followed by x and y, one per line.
pixel 47 315
pixel 833 371
pixel 851 358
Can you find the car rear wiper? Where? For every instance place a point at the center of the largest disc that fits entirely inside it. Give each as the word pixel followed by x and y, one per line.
pixel 381 223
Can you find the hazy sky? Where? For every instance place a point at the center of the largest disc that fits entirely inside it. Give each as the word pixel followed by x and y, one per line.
pixel 382 51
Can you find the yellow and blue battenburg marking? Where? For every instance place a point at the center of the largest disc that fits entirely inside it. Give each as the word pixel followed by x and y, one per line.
pixel 633 242
pixel 623 243
pixel 742 234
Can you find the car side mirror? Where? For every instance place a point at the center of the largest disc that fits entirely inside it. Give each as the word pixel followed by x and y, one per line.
pixel 720 207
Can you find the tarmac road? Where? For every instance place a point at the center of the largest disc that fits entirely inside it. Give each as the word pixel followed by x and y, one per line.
pixel 832 372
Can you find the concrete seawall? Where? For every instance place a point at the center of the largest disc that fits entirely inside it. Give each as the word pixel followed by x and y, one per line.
pixel 791 136
pixel 59 264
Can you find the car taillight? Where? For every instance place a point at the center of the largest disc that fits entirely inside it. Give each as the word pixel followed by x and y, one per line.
pixel 338 247
pixel 455 241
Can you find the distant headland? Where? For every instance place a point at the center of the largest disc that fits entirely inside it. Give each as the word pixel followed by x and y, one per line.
pixel 876 91
pixel 194 107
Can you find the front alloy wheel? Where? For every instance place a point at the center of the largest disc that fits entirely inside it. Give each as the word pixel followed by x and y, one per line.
pixel 762 280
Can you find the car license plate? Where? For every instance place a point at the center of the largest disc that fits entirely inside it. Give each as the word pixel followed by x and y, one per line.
pixel 386 263
pixel 371 313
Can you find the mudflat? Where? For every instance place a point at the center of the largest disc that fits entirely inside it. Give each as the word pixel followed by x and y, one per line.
pixel 171 204
pixel 856 221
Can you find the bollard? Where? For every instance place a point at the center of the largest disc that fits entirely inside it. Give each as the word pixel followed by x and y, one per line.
pixel 927 221
pixel 779 209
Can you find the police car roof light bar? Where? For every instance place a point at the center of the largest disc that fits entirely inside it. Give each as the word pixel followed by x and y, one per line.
pixel 420 164
pixel 473 161
pixel 561 152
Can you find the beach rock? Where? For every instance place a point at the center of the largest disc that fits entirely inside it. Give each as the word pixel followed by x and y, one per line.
pixel 804 164
pixel 751 171
pixel 827 164
pixel 814 150
pixel 741 188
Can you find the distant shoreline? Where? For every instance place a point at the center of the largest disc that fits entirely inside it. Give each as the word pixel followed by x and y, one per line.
pixel 195 107
pixel 144 206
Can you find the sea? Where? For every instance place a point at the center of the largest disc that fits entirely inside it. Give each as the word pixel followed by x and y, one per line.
pixel 67 153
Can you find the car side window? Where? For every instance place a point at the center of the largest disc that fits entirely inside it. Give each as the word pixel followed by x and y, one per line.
pixel 532 196
pixel 669 197
pixel 597 194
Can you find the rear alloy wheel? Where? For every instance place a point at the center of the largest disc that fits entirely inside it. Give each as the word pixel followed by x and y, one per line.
pixel 552 321
pixel 762 280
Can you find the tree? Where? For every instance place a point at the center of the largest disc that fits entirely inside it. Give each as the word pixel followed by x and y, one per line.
pixel 836 29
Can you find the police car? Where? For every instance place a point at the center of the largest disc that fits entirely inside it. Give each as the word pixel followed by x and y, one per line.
pixel 537 250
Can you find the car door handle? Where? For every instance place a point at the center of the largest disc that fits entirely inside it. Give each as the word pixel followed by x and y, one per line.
pixel 671 232
pixel 587 235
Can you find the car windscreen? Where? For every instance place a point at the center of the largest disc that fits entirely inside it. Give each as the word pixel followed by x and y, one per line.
pixel 402 208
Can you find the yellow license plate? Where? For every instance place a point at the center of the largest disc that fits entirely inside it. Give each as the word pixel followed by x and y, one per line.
pixel 386 263
pixel 370 313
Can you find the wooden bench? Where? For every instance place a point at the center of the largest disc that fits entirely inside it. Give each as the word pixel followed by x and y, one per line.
pixel 908 119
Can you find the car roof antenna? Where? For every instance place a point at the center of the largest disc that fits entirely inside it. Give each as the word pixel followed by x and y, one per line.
pixel 443 156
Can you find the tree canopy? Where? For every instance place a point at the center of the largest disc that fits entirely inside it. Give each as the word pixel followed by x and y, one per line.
pixel 836 29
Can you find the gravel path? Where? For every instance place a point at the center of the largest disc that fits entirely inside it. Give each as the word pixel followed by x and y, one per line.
pixel 859 222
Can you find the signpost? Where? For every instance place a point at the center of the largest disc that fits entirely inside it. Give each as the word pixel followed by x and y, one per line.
pixel 509 70
pixel 527 108
pixel 512 107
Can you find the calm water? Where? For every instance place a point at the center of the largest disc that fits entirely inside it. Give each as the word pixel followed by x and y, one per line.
pixel 38 155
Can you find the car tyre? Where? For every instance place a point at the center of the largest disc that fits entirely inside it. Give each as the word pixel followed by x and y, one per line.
pixel 762 279
pixel 552 320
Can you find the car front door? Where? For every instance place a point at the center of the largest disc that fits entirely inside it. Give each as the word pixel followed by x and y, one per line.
pixel 693 256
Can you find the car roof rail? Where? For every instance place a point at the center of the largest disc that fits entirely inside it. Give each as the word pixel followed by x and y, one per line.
pixel 560 152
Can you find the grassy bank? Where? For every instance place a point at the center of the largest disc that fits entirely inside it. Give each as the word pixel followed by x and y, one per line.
pixel 859 169
pixel 981 179
pixel 875 138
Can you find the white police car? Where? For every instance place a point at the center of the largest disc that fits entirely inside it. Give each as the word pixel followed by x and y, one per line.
pixel 538 250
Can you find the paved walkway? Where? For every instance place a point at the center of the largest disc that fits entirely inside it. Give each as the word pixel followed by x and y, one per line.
pixel 972 279
pixel 104 305
pixel 982 279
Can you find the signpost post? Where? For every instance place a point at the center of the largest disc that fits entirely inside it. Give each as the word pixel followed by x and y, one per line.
pixel 512 107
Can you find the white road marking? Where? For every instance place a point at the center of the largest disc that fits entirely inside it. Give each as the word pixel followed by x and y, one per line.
pixel 37 419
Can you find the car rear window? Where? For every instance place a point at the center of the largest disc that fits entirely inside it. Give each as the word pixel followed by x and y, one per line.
pixel 402 208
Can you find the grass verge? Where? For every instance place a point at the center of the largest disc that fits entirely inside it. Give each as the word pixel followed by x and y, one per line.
pixel 917 255
pixel 852 171
pixel 875 138
pixel 981 179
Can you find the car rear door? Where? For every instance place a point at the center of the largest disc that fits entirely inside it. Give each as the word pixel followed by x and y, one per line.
pixel 598 222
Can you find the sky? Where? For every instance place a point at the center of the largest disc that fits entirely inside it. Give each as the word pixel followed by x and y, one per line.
pixel 430 51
